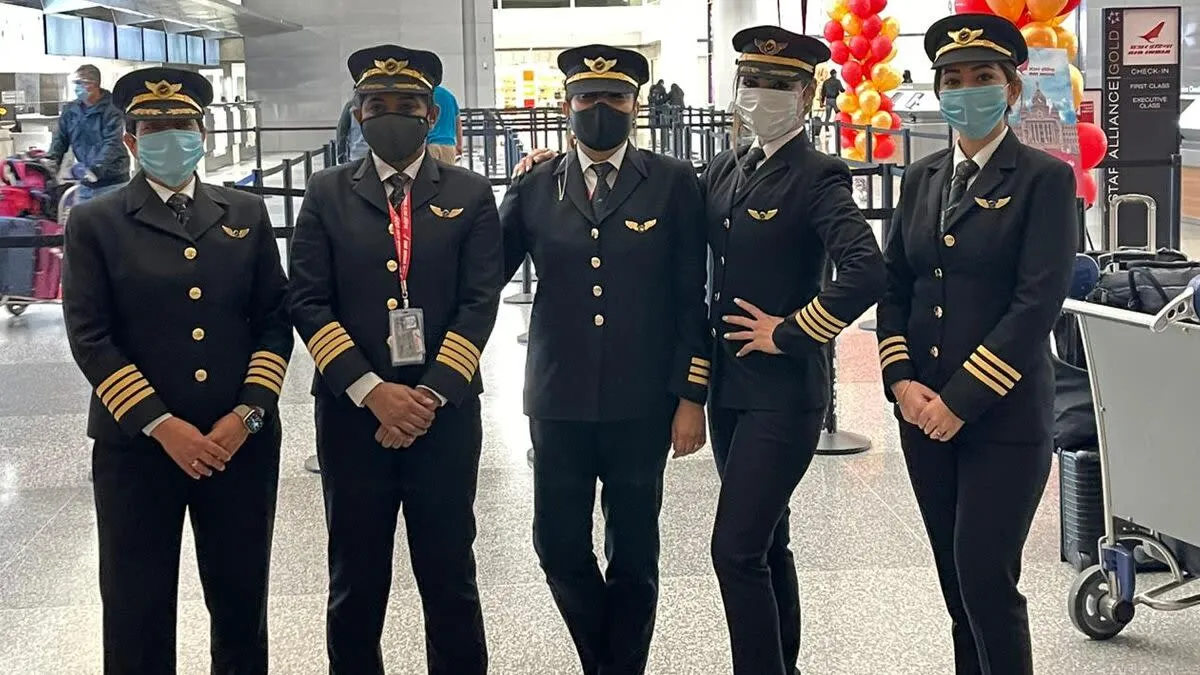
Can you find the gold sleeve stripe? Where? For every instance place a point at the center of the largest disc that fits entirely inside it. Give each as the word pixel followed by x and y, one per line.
pixel 140 395
pixel 265 373
pixel 111 379
pixel 804 327
pixel 813 328
pixel 108 398
pixel 121 396
pixel 327 340
pixel 999 363
pixel 820 321
pixel 270 356
pixel 442 358
pixel 895 358
pixel 997 376
pixel 703 363
pixel 982 377
pixel 824 314
pixel 894 340
pixel 894 350
pixel 702 372
pixel 452 347
pixel 269 367
pixel 695 379
pixel 269 384
pixel 464 342
pixel 334 350
pixel 464 365
pixel 325 330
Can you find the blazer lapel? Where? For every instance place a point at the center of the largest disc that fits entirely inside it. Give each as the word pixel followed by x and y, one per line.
pixel 208 209
pixel 993 173
pixel 425 187
pixel 935 186
pixel 144 204
pixel 772 165
pixel 632 172
pixel 569 175
pixel 368 185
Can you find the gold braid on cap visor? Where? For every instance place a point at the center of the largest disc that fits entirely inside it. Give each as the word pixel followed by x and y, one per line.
pixel 777 61
pixel 622 77
pixel 155 98
pixel 986 44
pixel 409 72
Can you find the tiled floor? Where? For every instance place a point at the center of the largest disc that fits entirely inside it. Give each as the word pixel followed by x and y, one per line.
pixel 870 598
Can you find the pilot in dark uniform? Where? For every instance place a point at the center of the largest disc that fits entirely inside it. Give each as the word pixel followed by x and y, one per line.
pixel 979 260
pixel 776 210
pixel 174 300
pixel 395 282
pixel 618 366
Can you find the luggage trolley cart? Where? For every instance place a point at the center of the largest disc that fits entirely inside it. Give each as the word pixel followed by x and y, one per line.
pixel 1142 370
pixel 16 305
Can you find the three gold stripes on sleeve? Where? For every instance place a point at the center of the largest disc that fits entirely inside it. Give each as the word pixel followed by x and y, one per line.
pixel 699 371
pixel 983 365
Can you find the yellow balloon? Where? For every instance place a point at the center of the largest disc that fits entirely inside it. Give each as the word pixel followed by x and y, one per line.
pixel 869 101
pixel 1009 9
pixel 847 102
pixel 1038 34
pixel 861 118
pixel 895 51
pixel 839 9
pixel 863 87
pixel 851 24
pixel 853 154
pixel 860 143
pixel 1058 20
pixel 891 28
pixel 1076 85
pixel 1068 41
pixel 1044 10
pixel 882 120
pixel 885 77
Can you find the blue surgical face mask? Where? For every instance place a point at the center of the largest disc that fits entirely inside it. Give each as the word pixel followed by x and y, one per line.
pixel 975 111
pixel 170 157
pixel 81 91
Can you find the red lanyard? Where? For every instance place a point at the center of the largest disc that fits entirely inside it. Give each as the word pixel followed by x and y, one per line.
pixel 402 234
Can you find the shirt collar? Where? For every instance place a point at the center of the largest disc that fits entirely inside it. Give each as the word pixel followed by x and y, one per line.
pixel 985 153
pixel 772 147
pixel 166 193
pixel 386 170
pixel 617 157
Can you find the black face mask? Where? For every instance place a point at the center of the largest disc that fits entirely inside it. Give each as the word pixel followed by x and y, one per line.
pixel 394 137
pixel 601 127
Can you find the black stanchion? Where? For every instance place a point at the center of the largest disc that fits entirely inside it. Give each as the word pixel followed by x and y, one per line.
pixel 834 441
pixel 525 297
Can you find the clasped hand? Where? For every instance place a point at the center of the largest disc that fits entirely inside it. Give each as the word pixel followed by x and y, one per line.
pixel 199 454
pixel 923 408
pixel 404 413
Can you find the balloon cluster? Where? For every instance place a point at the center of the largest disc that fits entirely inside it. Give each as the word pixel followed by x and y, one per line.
pixel 1041 22
pixel 862 43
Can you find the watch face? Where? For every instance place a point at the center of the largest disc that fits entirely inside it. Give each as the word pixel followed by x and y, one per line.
pixel 254 422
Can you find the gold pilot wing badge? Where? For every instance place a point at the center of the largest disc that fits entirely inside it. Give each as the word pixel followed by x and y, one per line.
pixel 641 227
pixel 966 36
pixel 762 215
pixel 391 66
pixel 235 233
pixel 163 89
pixel 445 213
pixel 993 203
pixel 770 47
pixel 600 65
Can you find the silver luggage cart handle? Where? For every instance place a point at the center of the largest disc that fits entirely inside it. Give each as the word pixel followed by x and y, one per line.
pixel 1115 202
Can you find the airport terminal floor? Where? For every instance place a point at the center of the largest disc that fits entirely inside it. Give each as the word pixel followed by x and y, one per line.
pixel 870 597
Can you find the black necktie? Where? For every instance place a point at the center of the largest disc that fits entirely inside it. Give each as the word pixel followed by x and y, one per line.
pixel 398 182
pixel 181 206
pixel 602 190
pixel 963 173
pixel 752 159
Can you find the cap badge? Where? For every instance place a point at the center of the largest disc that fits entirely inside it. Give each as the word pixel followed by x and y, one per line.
pixel 163 90
pixel 391 66
pixel 770 47
pixel 600 65
pixel 966 36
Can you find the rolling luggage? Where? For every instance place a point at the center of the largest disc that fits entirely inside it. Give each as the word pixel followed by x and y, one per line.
pixel 17 264
pixel 1081 504
pixel 47 277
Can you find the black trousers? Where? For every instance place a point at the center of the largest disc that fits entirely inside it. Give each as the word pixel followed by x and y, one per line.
pixel 610 615
pixel 761 457
pixel 141 497
pixel 366 486
pixel 978 500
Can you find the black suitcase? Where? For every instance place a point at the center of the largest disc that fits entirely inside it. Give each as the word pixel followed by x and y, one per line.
pixel 17 264
pixel 1081 506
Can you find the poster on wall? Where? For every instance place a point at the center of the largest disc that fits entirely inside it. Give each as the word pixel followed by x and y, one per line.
pixel 1140 115
pixel 1089 110
pixel 1045 117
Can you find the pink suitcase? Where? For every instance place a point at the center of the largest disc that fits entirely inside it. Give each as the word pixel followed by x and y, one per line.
pixel 47 276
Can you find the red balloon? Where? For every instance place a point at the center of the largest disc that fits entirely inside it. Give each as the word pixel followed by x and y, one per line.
pixel 1071 7
pixel 861 46
pixel 896 121
pixel 839 53
pixel 972 7
pixel 880 47
pixel 885 103
pixel 848 137
pixel 871 26
pixel 834 31
pixel 1087 189
pixel 845 118
pixel 860 8
pixel 1025 19
pixel 1092 144
pixel 852 73
pixel 878 6
pixel 885 147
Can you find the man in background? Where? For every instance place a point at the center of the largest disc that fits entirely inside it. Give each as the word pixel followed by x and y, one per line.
pixel 445 140
pixel 829 93
pixel 92 129
pixel 351 146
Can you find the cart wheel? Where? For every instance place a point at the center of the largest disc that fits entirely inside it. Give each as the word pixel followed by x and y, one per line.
pixel 16 308
pixel 1088 594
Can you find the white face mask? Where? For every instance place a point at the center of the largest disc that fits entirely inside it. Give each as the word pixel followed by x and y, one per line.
pixel 768 113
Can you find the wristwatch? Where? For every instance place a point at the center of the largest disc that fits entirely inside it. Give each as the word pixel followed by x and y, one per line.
pixel 252 418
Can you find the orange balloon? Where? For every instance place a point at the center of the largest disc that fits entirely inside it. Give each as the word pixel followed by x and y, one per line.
pixel 882 120
pixel 869 101
pixel 895 51
pixel 851 24
pixel 891 28
pixel 839 9
pixel 1068 41
pixel 1009 9
pixel 847 102
pixel 1058 20
pixel 1076 85
pixel 1038 34
pixel 1044 10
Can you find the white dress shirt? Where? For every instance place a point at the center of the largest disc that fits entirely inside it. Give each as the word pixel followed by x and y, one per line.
pixel 982 157
pixel 166 193
pixel 362 386
pixel 589 174
pixel 772 147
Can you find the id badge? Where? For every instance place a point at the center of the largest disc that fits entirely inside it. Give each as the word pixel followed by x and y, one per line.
pixel 408 336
